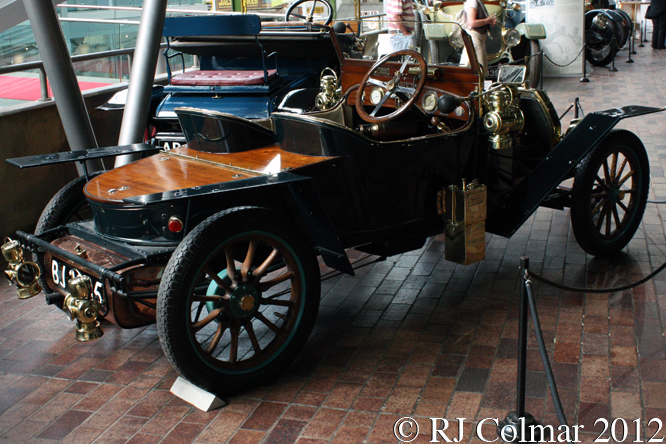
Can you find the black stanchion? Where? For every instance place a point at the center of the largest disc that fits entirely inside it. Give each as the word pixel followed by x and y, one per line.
pixel 631 47
pixel 520 426
pixel 577 107
pixel 511 428
pixel 614 48
pixel 584 79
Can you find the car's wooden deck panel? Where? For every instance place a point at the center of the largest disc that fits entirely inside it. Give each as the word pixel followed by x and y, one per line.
pixel 172 171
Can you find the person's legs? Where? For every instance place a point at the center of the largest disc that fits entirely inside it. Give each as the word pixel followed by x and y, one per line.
pixel 481 51
pixel 479 41
pixel 658 32
pixel 661 32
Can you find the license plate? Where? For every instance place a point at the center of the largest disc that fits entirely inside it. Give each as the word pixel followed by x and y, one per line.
pixel 61 272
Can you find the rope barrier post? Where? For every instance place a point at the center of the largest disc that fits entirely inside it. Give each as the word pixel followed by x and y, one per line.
pixel 631 46
pixel 516 423
pixel 584 79
pixel 614 49
pixel 641 36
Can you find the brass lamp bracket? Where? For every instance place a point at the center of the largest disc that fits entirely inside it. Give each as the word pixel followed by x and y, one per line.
pixel 25 275
pixel 80 306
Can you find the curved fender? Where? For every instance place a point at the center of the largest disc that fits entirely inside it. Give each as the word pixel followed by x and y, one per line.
pixel 532 30
pixel 524 200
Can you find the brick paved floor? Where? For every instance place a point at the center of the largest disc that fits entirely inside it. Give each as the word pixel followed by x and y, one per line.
pixel 411 336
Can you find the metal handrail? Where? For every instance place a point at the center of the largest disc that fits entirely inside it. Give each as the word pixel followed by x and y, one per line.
pixel 38 64
pixel 171 10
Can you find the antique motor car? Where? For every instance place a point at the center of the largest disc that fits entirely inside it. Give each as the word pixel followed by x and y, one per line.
pixel 248 82
pixel 606 32
pixel 511 40
pixel 218 241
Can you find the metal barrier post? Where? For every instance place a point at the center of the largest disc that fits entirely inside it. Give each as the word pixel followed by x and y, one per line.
pixel 614 49
pixel 584 79
pixel 43 86
pixel 518 421
pixel 631 46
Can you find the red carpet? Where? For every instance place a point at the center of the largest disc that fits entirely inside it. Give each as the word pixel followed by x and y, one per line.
pixel 23 88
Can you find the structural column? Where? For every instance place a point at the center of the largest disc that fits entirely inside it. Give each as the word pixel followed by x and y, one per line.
pixel 142 75
pixel 60 72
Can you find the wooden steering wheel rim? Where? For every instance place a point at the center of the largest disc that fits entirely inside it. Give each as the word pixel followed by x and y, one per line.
pixel 419 87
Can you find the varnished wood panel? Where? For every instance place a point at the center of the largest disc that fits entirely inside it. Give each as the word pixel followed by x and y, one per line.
pixel 456 80
pixel 168 171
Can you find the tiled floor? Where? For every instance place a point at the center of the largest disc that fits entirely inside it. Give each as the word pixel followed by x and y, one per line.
pixel 411 336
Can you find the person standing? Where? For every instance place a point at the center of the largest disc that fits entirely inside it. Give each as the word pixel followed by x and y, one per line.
pixel 478 22
pixel 400 14
pixel 657 13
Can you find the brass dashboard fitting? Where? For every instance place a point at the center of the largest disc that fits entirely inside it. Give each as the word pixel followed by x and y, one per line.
pixel 503 117
pixel 25 275
pixel 80 306
pixel 329 90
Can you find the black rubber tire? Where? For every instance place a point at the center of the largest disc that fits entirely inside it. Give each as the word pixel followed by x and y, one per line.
pixel 67 205
pixel 188 339
pixel 597 194
pixel 601 46
pixel 534 66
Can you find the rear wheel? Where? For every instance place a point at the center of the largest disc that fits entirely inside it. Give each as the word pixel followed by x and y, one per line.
pixel 609 194
pixel 238 300
pixel 67 205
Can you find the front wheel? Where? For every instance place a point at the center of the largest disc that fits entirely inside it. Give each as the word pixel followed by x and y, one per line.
pixel 238 300
pixel 609 194
pixel 534 65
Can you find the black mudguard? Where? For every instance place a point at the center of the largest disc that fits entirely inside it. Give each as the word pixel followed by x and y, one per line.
pixel 551 171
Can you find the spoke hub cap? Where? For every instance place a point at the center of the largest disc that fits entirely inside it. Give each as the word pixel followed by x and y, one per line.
pixel 614 193
pixel 244 301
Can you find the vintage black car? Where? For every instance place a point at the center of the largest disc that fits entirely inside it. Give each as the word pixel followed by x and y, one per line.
pixel 218 241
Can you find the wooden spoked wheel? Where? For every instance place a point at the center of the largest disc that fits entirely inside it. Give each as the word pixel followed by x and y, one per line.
pixel 238 301
pixel 610 193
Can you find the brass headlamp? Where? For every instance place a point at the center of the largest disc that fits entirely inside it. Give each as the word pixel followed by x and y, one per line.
pixel 503 117
pixel 25 275
pixel 80 306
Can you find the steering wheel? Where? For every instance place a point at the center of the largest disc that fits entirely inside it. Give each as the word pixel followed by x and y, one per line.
pixel 308 18
pixel 392 87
